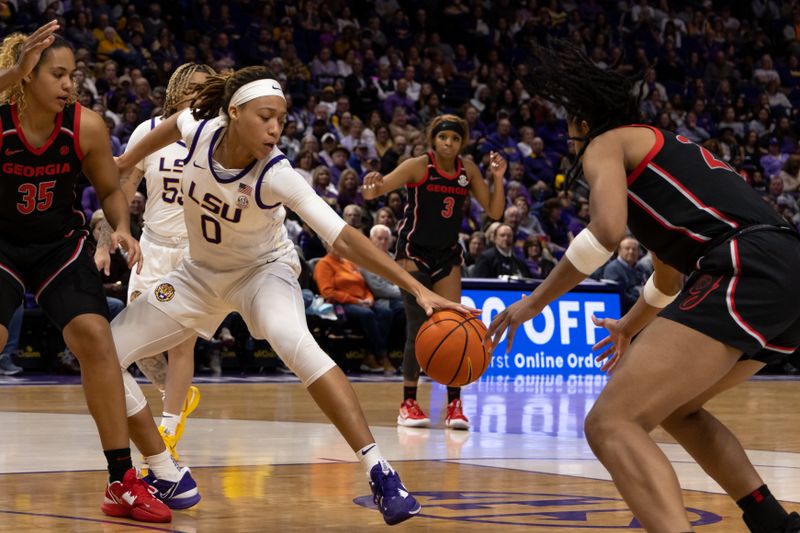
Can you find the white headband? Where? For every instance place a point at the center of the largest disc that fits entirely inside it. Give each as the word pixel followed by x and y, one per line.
pixel 256 89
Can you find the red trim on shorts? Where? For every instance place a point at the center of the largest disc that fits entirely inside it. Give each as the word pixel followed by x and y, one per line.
pixel 69 261
pixel 659 144
pixel 10 272
pixel 737 317
pixel 21 134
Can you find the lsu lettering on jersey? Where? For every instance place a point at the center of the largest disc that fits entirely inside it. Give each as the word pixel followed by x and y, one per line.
pixel 163 170
pixel 235 218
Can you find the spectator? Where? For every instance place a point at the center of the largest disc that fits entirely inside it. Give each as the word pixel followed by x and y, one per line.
pixel 385 217
pixel 476 245
pixel 392 157
pixel 399 98
pixel 692 131
pixel 527 220
pixel 774 160
pixel 554 226
pixel 790 175
pixel 338 166
pixel 538 258
pixel 354 216
pixel 340 282
pixel 137 214
pixel 627 273
pixel 383 141
pixel 512 217
pixel 349 191
pixel 321 183
pixel 401 126
pixel 501 142
pixel 130 120
pixel 500 260
pixel 538 166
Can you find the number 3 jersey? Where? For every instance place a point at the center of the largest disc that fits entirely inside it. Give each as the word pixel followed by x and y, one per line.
pixel 163 170
pixel 235 217
pixel 37 186
pixel 433 214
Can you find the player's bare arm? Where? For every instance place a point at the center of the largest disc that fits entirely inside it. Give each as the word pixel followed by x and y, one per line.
pixel 99 167
pixel 409 171
pixel 164 134
pixel 494 201
pixel 605 171
pixel 620 332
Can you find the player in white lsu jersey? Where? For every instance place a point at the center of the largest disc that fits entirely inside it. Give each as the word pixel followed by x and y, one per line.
pixel 235 186
pixel 165 242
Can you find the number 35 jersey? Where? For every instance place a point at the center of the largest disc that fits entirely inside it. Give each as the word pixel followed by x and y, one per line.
pixel 235 217
pixel 37 185
pixel 163 170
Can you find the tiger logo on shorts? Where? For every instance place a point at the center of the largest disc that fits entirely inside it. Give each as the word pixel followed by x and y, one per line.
pixel 165 292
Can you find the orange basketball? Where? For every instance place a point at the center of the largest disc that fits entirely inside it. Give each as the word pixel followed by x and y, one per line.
pixel 450 348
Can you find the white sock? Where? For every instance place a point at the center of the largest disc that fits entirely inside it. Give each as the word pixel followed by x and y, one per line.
pixel 163 466
pixel 370 455
pixel 170 422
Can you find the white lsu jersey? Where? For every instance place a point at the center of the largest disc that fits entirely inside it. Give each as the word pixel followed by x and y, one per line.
pixel 163 170
pixel 235 218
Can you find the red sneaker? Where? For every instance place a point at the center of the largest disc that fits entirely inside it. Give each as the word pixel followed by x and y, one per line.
pixel 456 419
pixel 133 498
pixel 412 415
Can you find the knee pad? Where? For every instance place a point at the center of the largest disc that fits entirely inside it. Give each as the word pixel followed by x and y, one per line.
pixel 305 358
pixel 134 397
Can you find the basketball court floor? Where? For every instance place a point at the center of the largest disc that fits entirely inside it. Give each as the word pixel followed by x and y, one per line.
pixel 266 460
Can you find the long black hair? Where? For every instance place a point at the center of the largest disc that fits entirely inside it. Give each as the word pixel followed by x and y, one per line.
pixel 604 98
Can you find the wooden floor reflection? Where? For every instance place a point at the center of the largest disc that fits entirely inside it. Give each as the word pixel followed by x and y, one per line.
pixel 265 460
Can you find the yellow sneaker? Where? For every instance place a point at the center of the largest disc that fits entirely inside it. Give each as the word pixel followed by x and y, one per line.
pixel 171 442
pixel 189 405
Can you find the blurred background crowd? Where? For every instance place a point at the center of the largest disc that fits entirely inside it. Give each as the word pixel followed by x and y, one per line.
pixel 364 78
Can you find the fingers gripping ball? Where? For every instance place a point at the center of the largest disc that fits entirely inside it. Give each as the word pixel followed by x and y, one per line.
pixel 450 349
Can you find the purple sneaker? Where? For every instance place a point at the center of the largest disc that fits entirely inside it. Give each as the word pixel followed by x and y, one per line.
pixel 394 502
pixel 180 494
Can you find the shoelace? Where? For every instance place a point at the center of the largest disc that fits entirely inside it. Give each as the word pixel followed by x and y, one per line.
pixel 139 488
pixel 390 485
pixel 415 409
pixel 455 409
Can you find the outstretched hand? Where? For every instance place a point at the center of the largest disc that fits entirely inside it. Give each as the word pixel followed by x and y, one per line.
pixel 616 343
pixel 429 301
pixel 509 319
pixel 130 245
pixel 497 165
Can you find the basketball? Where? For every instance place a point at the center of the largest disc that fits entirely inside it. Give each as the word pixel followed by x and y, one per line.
pixel 450 350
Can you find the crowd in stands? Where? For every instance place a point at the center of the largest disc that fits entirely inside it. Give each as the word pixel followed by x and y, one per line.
pixel 364 78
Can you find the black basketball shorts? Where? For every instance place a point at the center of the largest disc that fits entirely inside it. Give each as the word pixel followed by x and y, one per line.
pixel 437 264
pixel 746 294
pixel 61 275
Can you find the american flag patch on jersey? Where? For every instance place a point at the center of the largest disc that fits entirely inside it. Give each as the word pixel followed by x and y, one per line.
pixel 245 189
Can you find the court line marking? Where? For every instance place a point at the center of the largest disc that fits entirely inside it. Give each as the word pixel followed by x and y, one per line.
pixel 97 520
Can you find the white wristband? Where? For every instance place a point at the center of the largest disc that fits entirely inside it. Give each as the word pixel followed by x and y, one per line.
pixel 586 253
pixel 654 297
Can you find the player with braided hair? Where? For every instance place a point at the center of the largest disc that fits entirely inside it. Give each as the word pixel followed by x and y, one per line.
pixel 164 243
pixel 737 310
pixel 237 186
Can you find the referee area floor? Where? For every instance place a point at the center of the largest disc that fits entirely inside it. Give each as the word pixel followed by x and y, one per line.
pixel 265 459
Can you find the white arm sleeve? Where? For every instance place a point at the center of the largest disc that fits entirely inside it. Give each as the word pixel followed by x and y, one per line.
pixel 137 135
pixel 289 187
pixel 187 126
